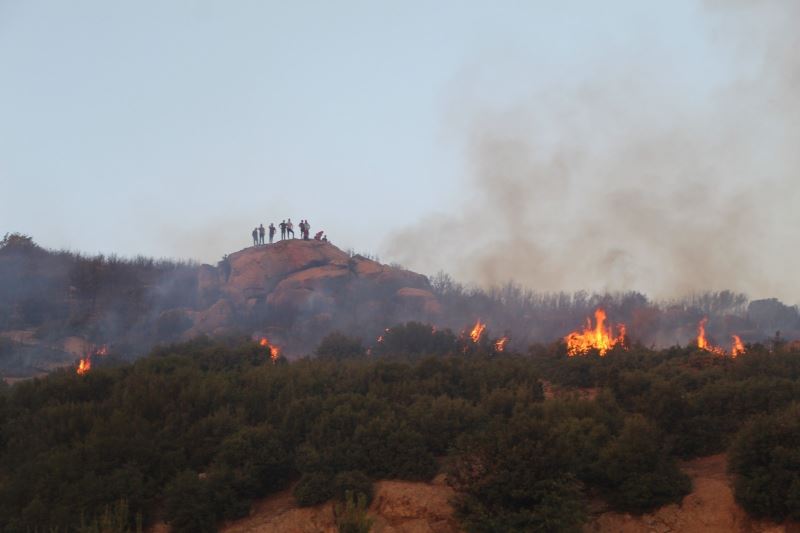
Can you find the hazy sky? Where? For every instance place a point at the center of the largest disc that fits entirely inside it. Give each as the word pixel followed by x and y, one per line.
pixel 172 128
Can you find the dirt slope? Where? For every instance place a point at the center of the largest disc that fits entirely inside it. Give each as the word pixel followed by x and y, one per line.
pixel 709 508
pixel 398 507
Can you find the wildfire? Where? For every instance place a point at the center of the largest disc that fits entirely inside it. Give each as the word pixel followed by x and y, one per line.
pixel 84 366
pixel 737 346
pixel 477 331
pixel 274 351
pixel 500 344
pixel 599 337
pixel 702 341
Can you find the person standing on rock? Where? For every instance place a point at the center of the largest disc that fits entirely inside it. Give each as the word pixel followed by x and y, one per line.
pixel 261 234
pixel 307 231
pixel 271 232
pixel 289 228
pixel 283 229
pixel 255 236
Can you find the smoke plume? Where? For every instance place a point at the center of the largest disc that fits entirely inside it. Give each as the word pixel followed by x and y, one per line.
pixel 624 182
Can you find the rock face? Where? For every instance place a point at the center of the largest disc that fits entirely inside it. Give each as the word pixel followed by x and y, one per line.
pixel 298 289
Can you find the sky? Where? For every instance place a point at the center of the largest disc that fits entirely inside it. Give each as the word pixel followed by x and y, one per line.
pixel 613 145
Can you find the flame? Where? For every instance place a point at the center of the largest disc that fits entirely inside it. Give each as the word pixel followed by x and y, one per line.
pixel 500 344
pixel 599 338
pixel 84 366
pixel 274 351
pixel 477 331
pixel 702 341
pixel 738 347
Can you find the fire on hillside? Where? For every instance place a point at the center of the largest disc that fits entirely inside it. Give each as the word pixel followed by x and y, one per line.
pixel 274 351
pixel 737 346
pixel 85 363
pixel 599 337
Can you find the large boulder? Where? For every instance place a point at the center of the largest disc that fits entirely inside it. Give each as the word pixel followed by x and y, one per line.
pixel 308 287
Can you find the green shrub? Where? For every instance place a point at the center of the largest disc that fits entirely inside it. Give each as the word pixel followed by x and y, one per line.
pixel 188 504
pixel 352 482
pixel 351 514
pixel 313 489
pixel 640 473
pixel 339 346
pixel 765 457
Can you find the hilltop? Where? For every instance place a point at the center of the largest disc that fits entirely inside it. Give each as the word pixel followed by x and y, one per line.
pixel 309 287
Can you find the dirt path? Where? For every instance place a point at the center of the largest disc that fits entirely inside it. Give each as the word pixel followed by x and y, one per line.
pixel 709 508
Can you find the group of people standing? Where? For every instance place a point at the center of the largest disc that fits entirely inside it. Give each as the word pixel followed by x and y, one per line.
pixel 287 228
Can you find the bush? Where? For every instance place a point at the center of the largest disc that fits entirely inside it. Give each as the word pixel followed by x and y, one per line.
pixel 339 346
pixel 313 489
pixel 188 504
pixel 353 482
pixel 765 457
pixel 640 474
pixel 351 515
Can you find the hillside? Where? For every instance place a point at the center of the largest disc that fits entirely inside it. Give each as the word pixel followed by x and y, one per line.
pixel 198 434
pixel 57 307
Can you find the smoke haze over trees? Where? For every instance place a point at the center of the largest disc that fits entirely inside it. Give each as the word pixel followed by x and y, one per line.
pixel 57 306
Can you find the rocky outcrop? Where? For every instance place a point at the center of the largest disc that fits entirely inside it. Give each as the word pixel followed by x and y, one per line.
pixel 304 287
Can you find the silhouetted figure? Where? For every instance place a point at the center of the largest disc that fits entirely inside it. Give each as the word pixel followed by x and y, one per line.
pixel 283 229
pixel 271 232
pixel 306 230
pixel 255 236
pixel 261 233
pixel 318 236
pixel 289 228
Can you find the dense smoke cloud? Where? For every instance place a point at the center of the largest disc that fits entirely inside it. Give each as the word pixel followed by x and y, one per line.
pixel 629 181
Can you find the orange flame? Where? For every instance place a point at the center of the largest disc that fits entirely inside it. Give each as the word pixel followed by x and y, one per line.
pixel 600 338
pixel 84 366
pixel 274 351
pixel 702 341
pixel 500 344
pixel 477 331
pixel 738 347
